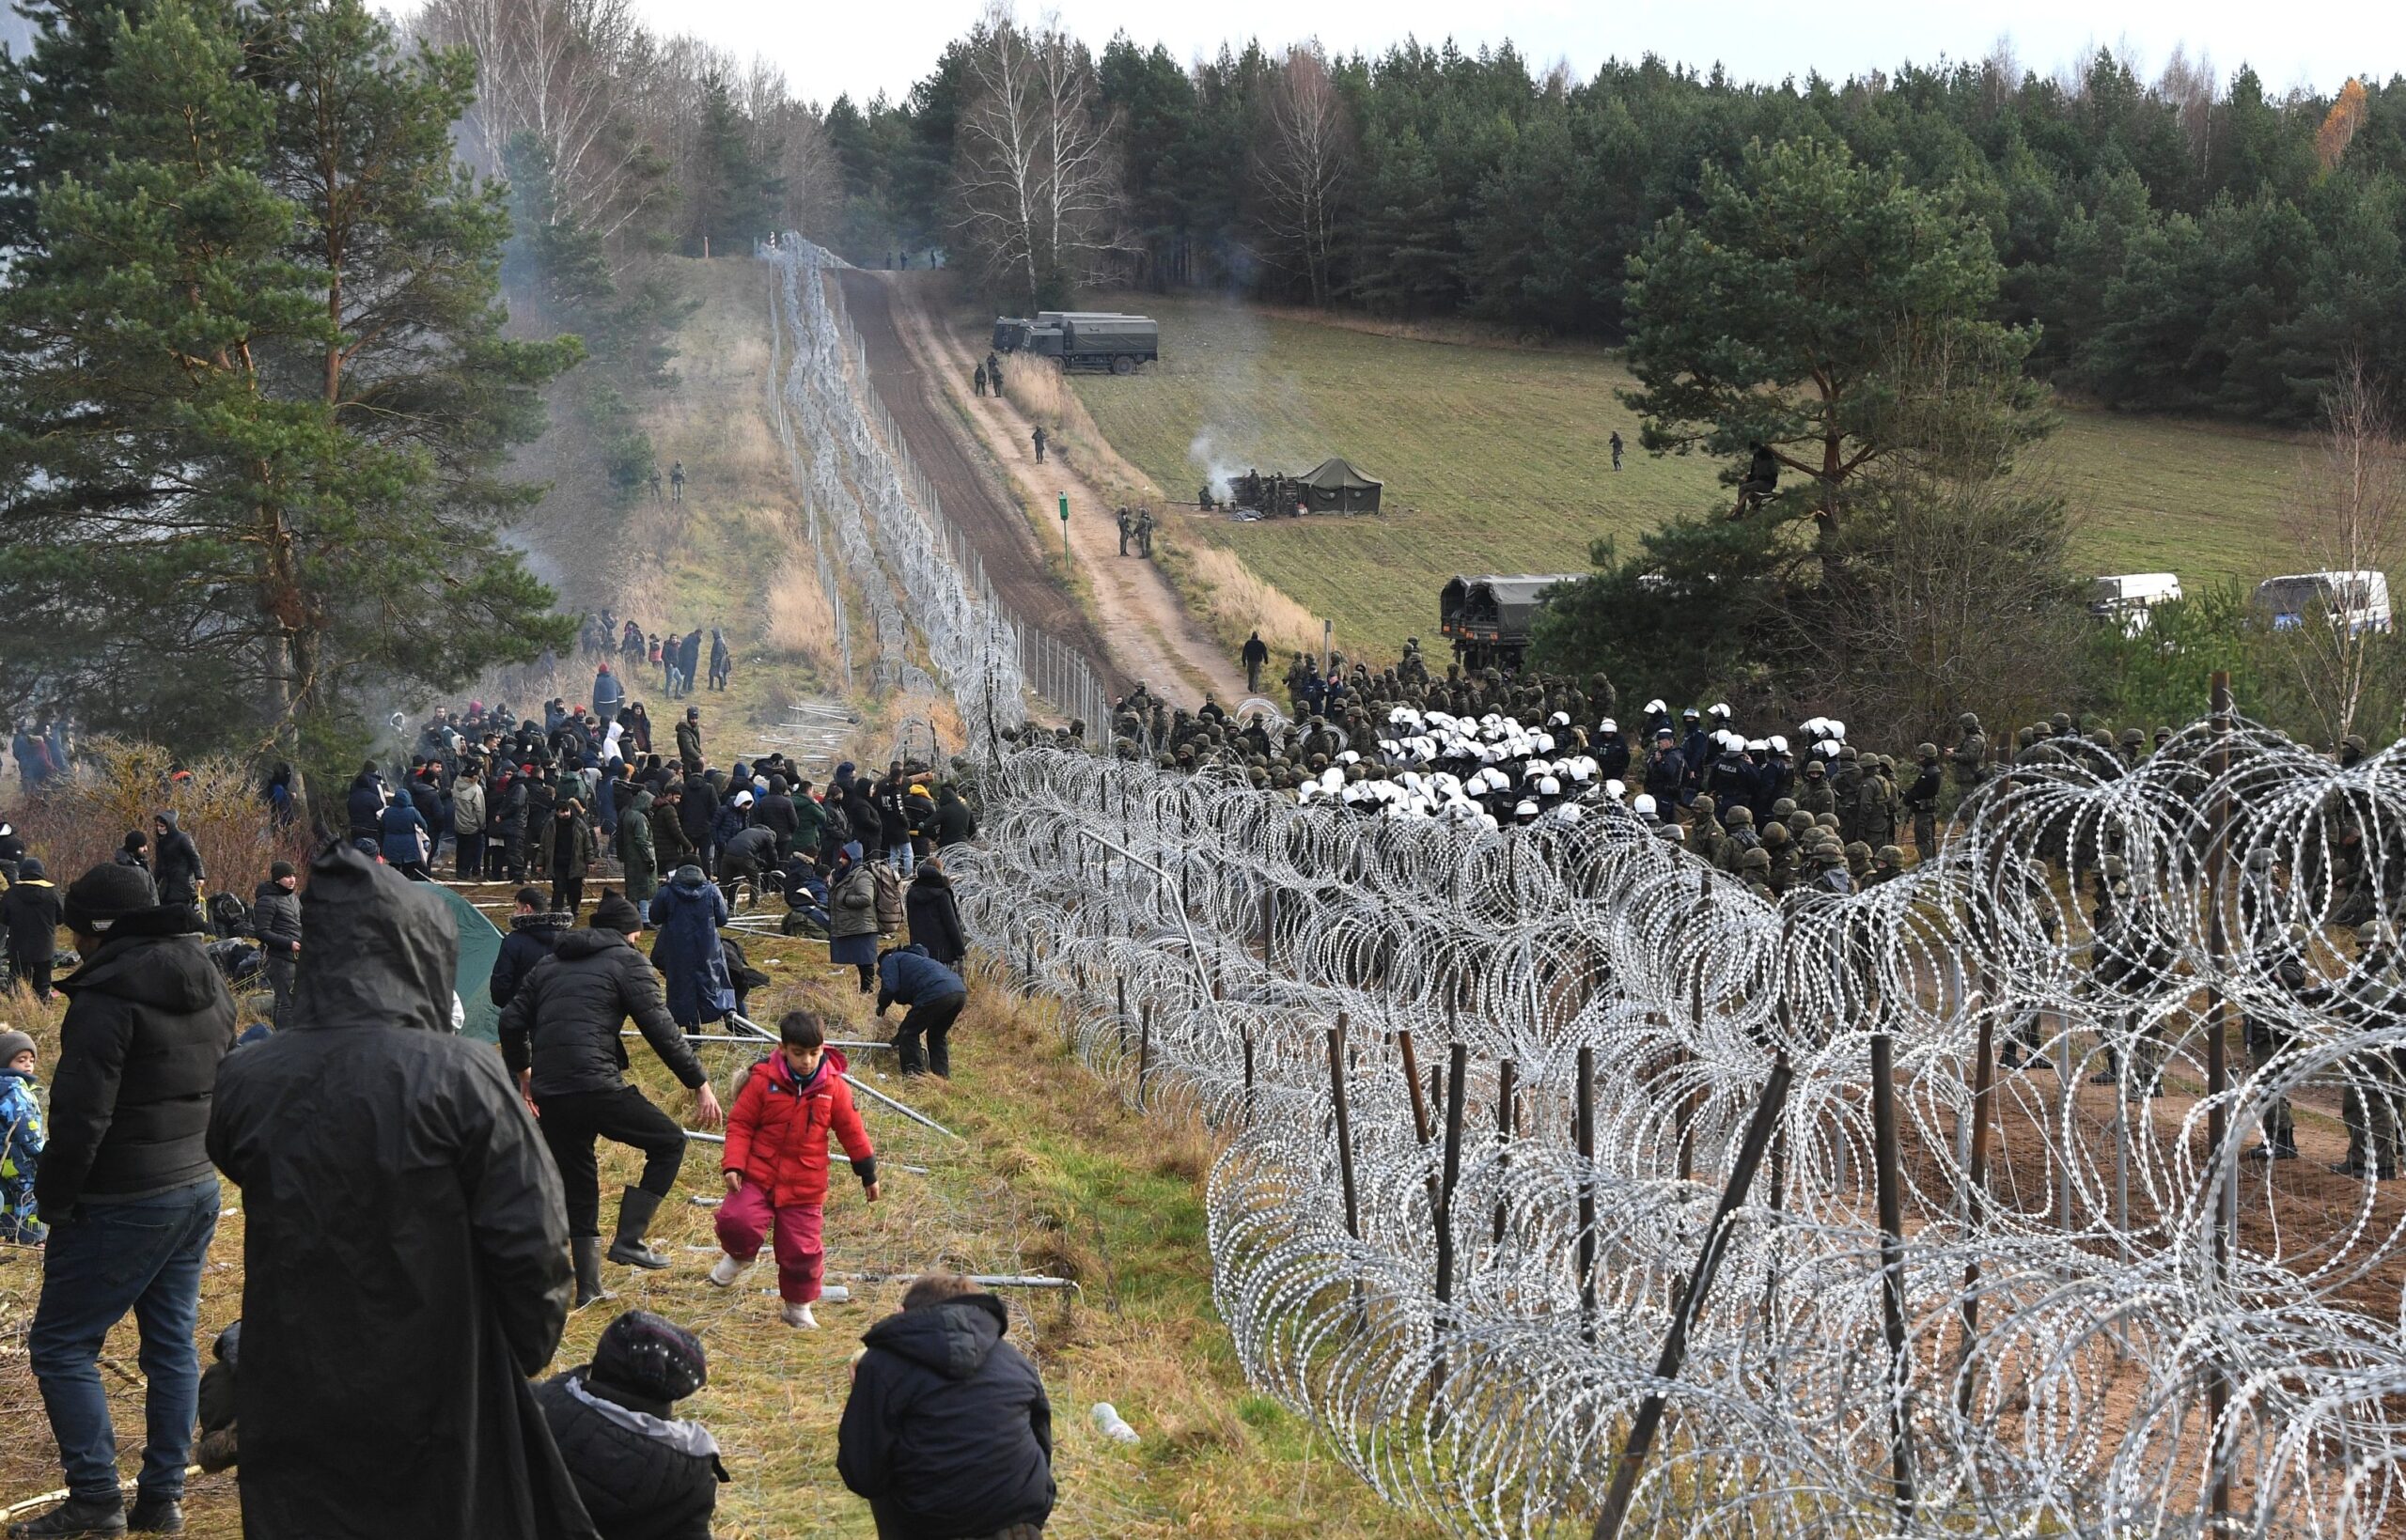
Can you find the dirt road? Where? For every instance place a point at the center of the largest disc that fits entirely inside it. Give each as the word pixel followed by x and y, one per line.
pixel 1147 630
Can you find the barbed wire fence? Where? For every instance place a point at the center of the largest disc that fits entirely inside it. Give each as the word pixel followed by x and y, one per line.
pixel 1574 1189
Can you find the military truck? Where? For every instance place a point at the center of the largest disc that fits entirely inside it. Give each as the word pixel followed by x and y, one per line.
pixel 1103 339
pixel 1490 619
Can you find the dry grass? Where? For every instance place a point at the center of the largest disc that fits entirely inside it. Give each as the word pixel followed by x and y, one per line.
pixel 1053 1173
pixel 801 624
pixel 118 785
pixel 1232 598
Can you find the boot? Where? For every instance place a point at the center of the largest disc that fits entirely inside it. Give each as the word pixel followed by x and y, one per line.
pixel 77 1516
pixel 634 1216
pixel 155 1516
pixel 587 1250
pixel 800 1318
pixel 727 1270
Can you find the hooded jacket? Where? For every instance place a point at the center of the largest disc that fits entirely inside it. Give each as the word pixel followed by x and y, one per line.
pixel 563 1021
pixel 30 912
pixel 934 916
pixel 688 915
pixel 948 1431
pixel 909 976
pixel 777 1131
pixel 635 849
pixel 405 1251
pixel 148 1021
pixel 405 839
pixel 175 864
pixel 643 1474
pixel 852 902
pixel 954 822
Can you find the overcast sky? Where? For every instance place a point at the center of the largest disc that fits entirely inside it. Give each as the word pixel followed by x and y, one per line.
pixel 830 48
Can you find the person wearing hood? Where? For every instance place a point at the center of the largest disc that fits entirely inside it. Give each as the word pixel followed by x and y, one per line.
pixel 126 1189
pixel 851 915
pixel 636 850
pixel 275 925
pixel 748 853
pixel 405 1260
pixel 404 840
pixel 688 915
pixel 641 1473
pixel 934 993
pixel 175 862
pixel 947 1430
pixel 30 914
pixel 364 806
pixel 955 823
pixel 559 1038
pixel 12 850
pixel 609 695
pixel 933 914
pixel 776 1163
pixel 722 662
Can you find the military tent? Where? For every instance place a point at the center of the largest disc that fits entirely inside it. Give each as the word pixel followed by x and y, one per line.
pixel 1335 487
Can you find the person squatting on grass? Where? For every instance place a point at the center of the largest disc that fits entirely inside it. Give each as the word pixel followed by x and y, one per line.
pixel 643 1474
pixel 776 1163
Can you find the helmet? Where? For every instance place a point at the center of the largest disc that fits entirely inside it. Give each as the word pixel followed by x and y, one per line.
pixel 1969 720
pixel 1756 860
pixel 1774 836
pixel 1888 855
pixel 1739 817
pixel 1702 807
pixel 1926 750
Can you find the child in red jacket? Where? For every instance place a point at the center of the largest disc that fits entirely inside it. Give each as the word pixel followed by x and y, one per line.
pixel 776 1163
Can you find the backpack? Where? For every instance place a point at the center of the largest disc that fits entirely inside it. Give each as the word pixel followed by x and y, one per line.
pixel 889 897
pixel 228 916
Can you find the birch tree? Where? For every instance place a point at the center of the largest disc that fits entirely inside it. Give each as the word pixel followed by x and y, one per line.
pixel 1036 178
pixel 1300 162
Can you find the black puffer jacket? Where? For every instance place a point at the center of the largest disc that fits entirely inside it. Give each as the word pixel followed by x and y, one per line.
pixel 402 1222
pixel 275 918
pixel 148 1021
pixel 934 917
pixel 642 1476
pixel 175 864
pixel 947 1432
pixel 530 941
pixel 565 1018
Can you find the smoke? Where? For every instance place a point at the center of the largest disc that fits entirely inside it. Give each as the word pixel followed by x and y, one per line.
pixel 1207 455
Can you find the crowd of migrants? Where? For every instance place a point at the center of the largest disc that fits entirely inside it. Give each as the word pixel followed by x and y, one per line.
pixel 1492 750
pixel 424 1209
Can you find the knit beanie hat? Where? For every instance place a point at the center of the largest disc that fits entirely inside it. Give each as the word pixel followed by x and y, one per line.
pixel 14 1043
pixel 651 1355
pixel 105 895
pixel 279 870
pixel 614 913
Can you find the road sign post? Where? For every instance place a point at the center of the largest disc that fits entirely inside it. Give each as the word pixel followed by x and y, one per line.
pixel 1065 526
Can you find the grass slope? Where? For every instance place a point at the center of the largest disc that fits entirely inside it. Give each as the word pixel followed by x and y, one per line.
pixel 1495 460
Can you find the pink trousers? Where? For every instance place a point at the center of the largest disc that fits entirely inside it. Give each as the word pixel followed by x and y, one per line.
pixel 745 1219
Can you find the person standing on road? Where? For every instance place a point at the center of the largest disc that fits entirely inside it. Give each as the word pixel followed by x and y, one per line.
pixel 1145 534
pixel 559 1038
pixel 126 1187
pixel 1038 439
pixel 994 372
pixel 979 379
pixel 1127 528
pixel 1256 653
pixel 405 1257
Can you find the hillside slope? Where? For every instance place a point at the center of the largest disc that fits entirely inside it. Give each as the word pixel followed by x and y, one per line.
pixel 1496 460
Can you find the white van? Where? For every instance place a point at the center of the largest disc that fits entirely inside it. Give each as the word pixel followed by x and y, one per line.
pixel 2359 600
pixel 2127 598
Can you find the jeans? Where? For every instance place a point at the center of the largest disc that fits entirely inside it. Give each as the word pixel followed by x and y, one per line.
pixel 571 1124
pixel 105 1259
pixel 903 857
pixel 281 971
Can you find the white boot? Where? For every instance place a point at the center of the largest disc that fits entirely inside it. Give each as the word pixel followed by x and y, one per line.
pixel 725 1270
pixel 800 1316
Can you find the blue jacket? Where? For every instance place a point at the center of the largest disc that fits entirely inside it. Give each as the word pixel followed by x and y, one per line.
pixel 909 976
pixel 21 1143
pixel 365 804
pixel 687 952
pixel 730 821
pixel 400 829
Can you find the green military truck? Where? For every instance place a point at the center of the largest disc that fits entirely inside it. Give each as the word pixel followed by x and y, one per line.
pixel 1097 340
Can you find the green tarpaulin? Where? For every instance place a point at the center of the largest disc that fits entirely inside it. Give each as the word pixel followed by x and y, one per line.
pixel 480 945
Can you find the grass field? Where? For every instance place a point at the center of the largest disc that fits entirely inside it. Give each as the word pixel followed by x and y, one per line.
pixel 1495 461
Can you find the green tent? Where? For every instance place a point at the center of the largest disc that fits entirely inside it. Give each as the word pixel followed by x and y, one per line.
pixel 480 945
pixel 1334 486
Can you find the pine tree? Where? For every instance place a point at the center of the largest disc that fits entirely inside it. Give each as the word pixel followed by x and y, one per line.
pixel 254 397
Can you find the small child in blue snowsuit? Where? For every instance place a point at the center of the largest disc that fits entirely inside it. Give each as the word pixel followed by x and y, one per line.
pixel 21 1141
